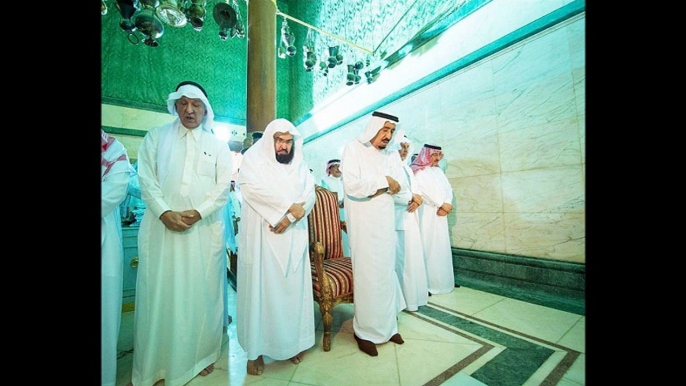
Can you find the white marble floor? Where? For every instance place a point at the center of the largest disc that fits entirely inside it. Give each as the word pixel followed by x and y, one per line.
pixel 465 338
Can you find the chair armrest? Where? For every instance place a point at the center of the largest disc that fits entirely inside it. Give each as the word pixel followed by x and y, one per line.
pixel 317 260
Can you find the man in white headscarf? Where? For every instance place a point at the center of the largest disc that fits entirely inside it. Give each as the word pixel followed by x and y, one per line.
pixel 184 172
pixel 410 262
pixel 370 178
pixel 433 220
pixel 334 182
pixel 115 174
pixel 275 305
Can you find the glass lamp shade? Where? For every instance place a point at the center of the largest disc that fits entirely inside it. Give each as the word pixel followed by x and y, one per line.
pixel 288 39
pixel 196 14
pixel 170 14
pixel 224 15
pixel 149 25
pixel 126 9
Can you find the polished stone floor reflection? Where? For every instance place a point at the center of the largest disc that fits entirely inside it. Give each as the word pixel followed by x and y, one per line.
pixel 465 338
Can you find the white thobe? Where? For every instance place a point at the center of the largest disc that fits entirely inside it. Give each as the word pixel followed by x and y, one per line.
pixel 179 288
pixel 410 262
pixel 274 300
pixel 114 186
pixel 371 233
pixel 436 190
pixel 336 185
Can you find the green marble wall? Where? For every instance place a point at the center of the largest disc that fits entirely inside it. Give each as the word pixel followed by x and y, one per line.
pixel 556 284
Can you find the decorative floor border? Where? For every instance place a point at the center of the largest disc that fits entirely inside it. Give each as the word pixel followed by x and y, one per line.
pixel 522 357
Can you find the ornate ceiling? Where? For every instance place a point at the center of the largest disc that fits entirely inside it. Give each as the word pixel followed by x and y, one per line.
pixel 141 76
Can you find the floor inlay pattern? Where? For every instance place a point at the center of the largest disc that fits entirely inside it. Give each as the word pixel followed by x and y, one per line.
pixel 521 357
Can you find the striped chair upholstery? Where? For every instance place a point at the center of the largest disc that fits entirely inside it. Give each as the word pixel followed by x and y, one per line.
pixel 332 273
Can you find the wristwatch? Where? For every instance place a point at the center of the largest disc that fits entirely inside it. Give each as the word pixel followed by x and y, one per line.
pixel 291 217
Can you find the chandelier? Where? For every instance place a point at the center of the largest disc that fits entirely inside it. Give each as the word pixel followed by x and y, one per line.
pixel 148 17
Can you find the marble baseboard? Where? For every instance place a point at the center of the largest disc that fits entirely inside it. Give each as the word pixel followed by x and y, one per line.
pixel 551 283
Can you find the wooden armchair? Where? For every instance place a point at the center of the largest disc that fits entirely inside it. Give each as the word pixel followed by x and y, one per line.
pixel 332 273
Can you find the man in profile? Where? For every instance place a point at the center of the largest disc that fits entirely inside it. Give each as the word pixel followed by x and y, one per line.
pixel 275 305
pixel 410 263
pixel 370 178
pixel 438 196
pixel 115 173
pixel 333 182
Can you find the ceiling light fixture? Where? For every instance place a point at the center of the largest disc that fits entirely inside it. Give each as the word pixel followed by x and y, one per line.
pixel 147 16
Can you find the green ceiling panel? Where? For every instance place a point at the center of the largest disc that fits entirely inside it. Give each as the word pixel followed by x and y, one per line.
pixel 141 76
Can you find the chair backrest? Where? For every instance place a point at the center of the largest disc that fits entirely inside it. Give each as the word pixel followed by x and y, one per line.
pixel 324 223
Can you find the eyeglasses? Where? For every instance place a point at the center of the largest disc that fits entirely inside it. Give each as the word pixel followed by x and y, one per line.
pixel 280 141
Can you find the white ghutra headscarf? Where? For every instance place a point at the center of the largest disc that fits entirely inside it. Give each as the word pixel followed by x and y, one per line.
pixel 194 91
pixel 374 125
pixel 169 137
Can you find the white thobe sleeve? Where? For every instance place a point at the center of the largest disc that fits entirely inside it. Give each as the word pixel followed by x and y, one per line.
pixel 113 190
pixel 431 196
pixel 270 204
pixel 404 196
pixel 151 192
pixel 447 190
pixel 413 182
pixel 218 196
pixel 308 195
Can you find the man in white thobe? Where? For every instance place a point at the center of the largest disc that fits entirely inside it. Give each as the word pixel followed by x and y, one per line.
pixel 275 305
pixel 410 262
pixel 433 220
pixel 185 173
pixel 115 175
pixel 334 182
pixel 370 179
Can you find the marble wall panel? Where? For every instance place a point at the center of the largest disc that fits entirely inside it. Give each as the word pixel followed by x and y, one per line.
pixel 531 60
pixel 468 116
pixel 551 99
pixel 579 78
pixel 517 11
pixel 472 150
pixel 478 231
pixel 540 146
pixel 559 236
pixel 576 33
pixel 466 87
pixel 481 194
pixel 414 110
pixel 581 122
pixel 551 190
